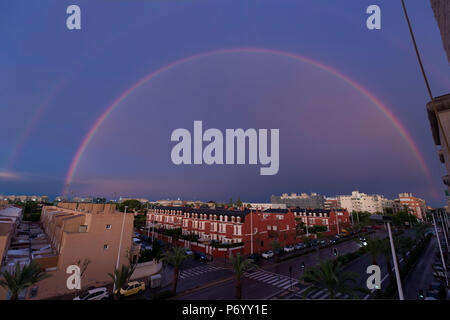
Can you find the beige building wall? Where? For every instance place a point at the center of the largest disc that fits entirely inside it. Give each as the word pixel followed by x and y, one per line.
pixel 93 234
pixel 442 105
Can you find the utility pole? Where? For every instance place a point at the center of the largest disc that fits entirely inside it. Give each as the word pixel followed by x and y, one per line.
pixel 120 246
pixel 251 232
pixel 388 219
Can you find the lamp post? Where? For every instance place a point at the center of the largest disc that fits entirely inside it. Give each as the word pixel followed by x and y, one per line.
pixel 120 245
pixel 388 219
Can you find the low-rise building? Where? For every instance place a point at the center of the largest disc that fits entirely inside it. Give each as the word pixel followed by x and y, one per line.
pixel 228 226
pixel 70 234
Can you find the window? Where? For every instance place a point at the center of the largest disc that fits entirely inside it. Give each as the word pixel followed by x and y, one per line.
pixel 83 228
pixel 108 227
pixel 105 246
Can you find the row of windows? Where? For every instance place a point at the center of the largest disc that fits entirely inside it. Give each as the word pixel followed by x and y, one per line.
pixel 201 216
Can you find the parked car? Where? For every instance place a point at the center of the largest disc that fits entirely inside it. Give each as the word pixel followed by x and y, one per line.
pixel 288 249
pixel 94 294
pixel 299 246
pixel 189 252
pixel 146 246
pixel 137 240
pixel 132 288
pixel 200 256
pixel 322 242
pixel 267 254
pixel 255 257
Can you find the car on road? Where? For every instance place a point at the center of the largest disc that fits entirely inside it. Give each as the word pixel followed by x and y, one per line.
pixel 288 249
pixel 299 246
pixel 267 254
pixel 132 288
pixel 94 294
pixel 189 252
pixel 200 256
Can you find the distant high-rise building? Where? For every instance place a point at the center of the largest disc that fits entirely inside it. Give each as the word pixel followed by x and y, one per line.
pixel 361 202
pixel 314 200
pixel 413 205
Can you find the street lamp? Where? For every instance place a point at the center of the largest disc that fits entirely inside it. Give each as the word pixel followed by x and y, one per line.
pixel 120 245
pixel 388 220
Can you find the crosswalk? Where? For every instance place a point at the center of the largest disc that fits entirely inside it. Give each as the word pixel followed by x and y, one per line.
pixel 271 278
pixel 197 271
pixel 318 295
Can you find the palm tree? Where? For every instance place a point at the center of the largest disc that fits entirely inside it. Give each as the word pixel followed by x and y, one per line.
pixel 175 257
pixel 374 247
pixel 330 275
pixel 240 265
pixel 121 277
pixel 419 230
pixel 22 278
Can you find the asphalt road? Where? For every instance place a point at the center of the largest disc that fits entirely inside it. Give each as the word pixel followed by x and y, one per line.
pixel 271 278
pixel 422 274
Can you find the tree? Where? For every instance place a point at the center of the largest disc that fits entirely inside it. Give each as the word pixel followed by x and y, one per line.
pixel 374 247
pixel 419 231
pixel 140 221
pixel 330 275
pixel 22 278
pixel 238 202
pixel 120 278
pixel 175 257
pixel 240 264
pixel 133 205
pixel 276 246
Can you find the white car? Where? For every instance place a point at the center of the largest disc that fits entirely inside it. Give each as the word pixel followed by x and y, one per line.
pixel 94 294
pixel 189 252
pixel 288 249
pixel 267 255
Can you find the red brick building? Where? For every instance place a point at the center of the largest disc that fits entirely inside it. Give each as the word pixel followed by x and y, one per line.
pixel 229 226
pixel 256 230
pixel 334 219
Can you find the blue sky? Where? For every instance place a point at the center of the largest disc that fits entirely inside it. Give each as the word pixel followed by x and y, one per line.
pixel 55 83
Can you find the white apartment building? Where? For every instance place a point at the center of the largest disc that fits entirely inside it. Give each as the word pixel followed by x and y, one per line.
pixel 358 201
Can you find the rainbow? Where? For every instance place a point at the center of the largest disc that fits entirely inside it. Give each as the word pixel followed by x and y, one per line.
pixel 389 115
